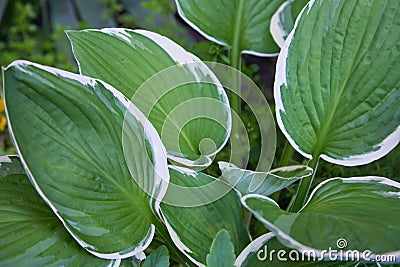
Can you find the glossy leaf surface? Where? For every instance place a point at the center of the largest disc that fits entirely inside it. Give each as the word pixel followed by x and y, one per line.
pixel 241 23
pixel 31 235
pixel 193 229
pixel 337 81
pixel 338 214
pixel 67 130
pixel 176 91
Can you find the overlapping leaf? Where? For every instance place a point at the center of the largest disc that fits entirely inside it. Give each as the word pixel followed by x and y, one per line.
pixel 67 130
pixel 177 92
pixel 262 183
pixel 30 233
pixel 337 87
pixel 241 23
pixel 193 228
pixel 282 22
pixel 359 214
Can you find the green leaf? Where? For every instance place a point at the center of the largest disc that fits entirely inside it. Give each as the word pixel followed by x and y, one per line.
pixel 31 235
pixel 342 214
pixel 337 80
pixel 158 258
pixel 266 250
pixel 262 183
pixel 180 96
pixel 67 130
pixel 282 22
pixel 221 252
pixel 193 228
pixel 242 23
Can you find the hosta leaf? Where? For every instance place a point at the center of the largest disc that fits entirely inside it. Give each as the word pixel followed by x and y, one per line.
pixel 158 258
pixel 337 80
pixel 262 183
pixel 242 23
pixel 343 214
pixel 282 22
pixel 67 130
pixel 185 103
pixel 221 251
pixel 193 228
pixel 30 233
pixel 266 249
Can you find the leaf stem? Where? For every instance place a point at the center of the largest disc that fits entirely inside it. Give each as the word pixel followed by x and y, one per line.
pixel 235 57
pixel 305 184
pixel 284 161
pixel 286 155
pixel 234 98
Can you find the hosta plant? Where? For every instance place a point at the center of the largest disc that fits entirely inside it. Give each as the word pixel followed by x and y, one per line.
pixel 111 161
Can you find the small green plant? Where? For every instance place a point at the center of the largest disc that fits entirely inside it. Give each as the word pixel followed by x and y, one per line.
pixel 111 164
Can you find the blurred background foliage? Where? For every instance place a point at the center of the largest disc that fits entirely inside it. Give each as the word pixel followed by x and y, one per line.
pixel 34 30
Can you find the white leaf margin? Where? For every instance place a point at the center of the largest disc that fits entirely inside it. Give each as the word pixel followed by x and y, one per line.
pixel 257 183
pixel 254 246
pixel 182 57
pixel 10 159
pixel 276 28
pixel 290 242
pixel 160 161
pixel 215 40
pixel 377 152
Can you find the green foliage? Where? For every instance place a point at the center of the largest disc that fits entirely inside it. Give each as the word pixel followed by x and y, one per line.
pixel 158 258
pixel 31 233
pixel 221 251
pixel 91 183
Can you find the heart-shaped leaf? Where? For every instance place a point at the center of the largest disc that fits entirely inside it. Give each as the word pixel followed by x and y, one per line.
pixel 67 130
pixel 262 183
pixel 31 235
pixel 222 251
pixel 266 250
pixel 193 228
pixel 282 22
pixel 241 23
pixel 337 80
pixel 176 91
pixel 343 214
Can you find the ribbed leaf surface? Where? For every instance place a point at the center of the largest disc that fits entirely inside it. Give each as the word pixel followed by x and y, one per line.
pixel 337 84
pixel 360 213
pixel 67 130
pixel 242 23
pixel 177 92
pixel 193 229
pixel 30 233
